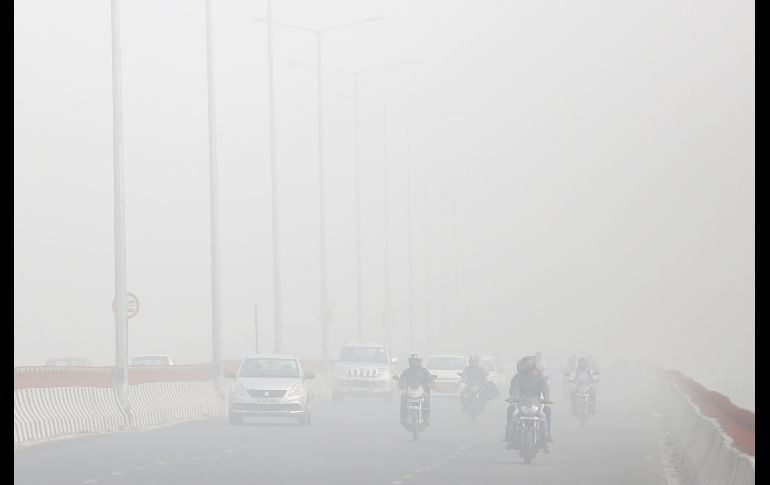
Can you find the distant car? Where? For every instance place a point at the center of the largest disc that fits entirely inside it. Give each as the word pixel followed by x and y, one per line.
pixel 496 375
pixel 69 362
pixel 445 367
pixel 270 385
pixel 363 369
pixel 152 360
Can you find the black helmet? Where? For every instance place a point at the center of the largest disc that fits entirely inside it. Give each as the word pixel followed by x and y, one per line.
pixel 473 359
pixel 582 362
pixel 527 363
pixel 415 358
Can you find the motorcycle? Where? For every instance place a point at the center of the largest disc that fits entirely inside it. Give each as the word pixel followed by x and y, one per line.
pixel 582 406
pixel 529 427
pixel 415 400
pixel 470 397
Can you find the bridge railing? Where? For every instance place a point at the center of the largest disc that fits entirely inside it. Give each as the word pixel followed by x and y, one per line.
pixel 52 402
pixel 716 438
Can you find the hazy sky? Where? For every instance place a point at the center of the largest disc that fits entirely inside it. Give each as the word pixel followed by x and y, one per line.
pixel 593 191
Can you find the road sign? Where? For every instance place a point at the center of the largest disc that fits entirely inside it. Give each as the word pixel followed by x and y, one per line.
pixel 132 305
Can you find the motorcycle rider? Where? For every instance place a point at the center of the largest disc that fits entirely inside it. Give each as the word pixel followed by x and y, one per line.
pixel 528 382
pixel 587 374
pixel 474 372
pixel 416 375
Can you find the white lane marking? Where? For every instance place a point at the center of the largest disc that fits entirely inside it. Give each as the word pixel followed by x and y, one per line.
pixel 79 469
pixel 141 467
pixel 243 447
pixel 91 480
pixel 214 456
pixel 115 474
pixel 230 451
pixel 396 482
pixel 198 458
pixel 160 463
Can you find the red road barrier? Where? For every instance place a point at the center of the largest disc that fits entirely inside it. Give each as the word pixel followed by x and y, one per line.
pixel 42 376
pixel 737 422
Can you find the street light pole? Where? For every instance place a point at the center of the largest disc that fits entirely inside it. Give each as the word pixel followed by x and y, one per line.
pixel 326 312
pixel 216 311
pixel 277 288
pixel 410 283
pixel 355 73
pixel 121 327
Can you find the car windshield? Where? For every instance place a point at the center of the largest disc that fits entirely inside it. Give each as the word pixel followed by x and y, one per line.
pixel 150 360
pixel 446 363
pixel 363 354
pixel 269 368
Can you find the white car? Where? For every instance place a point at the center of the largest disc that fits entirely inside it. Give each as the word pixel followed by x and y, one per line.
pixel 496 375
pixel 270 385
pixel 364 369
pixel 152 360
pixel 445 367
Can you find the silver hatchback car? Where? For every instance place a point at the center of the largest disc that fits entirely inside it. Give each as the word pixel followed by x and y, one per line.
pixel 270 385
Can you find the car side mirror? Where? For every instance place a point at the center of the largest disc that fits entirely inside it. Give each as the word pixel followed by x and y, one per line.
pixel 433 377
pixel 459 373
pixel 309 375
pixel 395 378
pixel 230 375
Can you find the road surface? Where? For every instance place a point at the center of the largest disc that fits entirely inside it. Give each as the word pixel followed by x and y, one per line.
pixel 360 442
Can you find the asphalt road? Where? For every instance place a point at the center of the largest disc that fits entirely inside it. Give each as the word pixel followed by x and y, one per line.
pixel 360 442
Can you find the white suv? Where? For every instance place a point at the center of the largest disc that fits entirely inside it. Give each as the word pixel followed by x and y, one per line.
pixel 363 369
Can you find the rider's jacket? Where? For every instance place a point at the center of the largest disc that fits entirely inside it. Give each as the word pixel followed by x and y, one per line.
pixel 474 372
pixel 530 384
pixel 416 376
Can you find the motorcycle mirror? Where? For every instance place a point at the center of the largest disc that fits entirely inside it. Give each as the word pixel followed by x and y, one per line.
pixel 395 378
pixel 459 373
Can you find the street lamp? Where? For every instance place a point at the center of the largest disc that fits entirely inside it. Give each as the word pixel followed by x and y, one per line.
pixel 408 132
pixel 359 264
pixel 326 312
pixel 121 327
pixel 216 309
pixel 386 103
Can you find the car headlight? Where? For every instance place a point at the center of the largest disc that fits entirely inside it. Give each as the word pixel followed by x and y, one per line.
pixel 296 390
pixel 238 390
pixel 382 372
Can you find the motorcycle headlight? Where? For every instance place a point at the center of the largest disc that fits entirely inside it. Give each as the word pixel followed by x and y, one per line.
pixel 295 390
pixel 529 410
